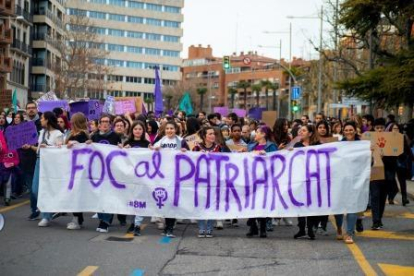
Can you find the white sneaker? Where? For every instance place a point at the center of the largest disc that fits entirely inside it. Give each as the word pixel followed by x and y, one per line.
pixel 219 224
pixel 288 222
pixel 276 222
pixel 95 216
pixel 43 223
pixel 193 221
pixel 74 224
pixel 412 178
pixel 154 220
pixel 160 225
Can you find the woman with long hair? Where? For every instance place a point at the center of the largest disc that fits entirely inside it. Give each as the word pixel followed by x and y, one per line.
pixel 50 135
pixel 309 137
pixel 281 133
pixel 152 129
pixel 78 134
pixel 262 145
pixel 64 125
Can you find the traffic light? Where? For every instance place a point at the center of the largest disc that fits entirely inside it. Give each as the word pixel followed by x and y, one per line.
pixel 295 106
pixel 226 62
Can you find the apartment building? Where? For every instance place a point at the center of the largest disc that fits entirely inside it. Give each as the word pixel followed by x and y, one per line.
pixel 20 51
pixel 138 36
pixel 47 34
pixel 6 62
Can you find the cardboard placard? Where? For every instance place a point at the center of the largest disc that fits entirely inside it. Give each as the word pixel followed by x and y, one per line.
pixel 237 148
pixel 49 96
pixel 125 106
pixel 21 134
pixel 138 102
pixel 269 118
pixel 325 140
pixel 377 170
pixel 388 143
pixel 192 140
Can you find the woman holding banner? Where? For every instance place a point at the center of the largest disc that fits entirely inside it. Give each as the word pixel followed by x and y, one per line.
pixel 136 139
pixel 262 145
pixel 208 144
pixel 50 135
pixel 170 141
pixel 309 137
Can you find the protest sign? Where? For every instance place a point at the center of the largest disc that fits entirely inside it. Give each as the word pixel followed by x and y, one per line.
pixel 256 113
pixel 109 106
pixel 49 96
pixel 21 134
pixel 192 140
pixel 94 110
pixel 239 112
pixel 223 111
pixel 50 105
pixel 377 170
pixel 139 103
pixel 388 143
pixel 325 140
pixel 194 185
pixel 125 106
pixel 82 107
pixel 237 148
pixel 269 118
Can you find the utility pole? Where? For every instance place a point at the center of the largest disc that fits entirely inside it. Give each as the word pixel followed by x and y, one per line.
pixel 320 65
pixel 335 73
pixel 290 77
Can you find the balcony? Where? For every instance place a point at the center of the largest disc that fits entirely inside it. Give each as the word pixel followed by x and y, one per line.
pixel 6 35
pixel 51 16
pixel 48 40
pixel 5 98
pixel 41 62
pixel 26 14
pixel 7 7
pixel 6 64
pixel 21 47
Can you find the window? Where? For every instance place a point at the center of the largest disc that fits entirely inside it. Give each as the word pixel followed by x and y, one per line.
pixel 132 49
pixel 154 7
pixel 77 12
pixel 115 47
pixel 170 38
pixel 153 21
pixel 153 36
pixel 135 34
pixel 133 79
pixel 172 24
pixel 133 64
pixel 115 78
pixel 149 81
pixel 98 1
pixel 98 30
pixel 172 9
pixel 117 3
pixel 115 93
pixel 152 51
pixel 132 94
pixel 96 45
pixel 115 63
pixel 169 82
pixel 99 15
pixel 116 17
pixel 169 53
pixel 150 65
pixel 135 19
pixel 77 28
pixel 115 32
pixel 170 68
pixel 136 5
pixel 100 61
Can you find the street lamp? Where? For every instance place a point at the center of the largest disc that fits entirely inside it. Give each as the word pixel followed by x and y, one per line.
pixel 320 53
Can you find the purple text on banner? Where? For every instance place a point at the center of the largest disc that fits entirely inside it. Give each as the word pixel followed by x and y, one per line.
pixel 95 110
pixel 125 106
pixel 50 105
pixel 21 134
pixel 223 111
pixel 239 112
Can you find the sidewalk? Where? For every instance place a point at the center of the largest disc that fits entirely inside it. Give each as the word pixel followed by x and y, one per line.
pixel 410 189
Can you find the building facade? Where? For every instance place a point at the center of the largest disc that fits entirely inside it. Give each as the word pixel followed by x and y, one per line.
pixel 138 36
pixel 21 51
pixel 6 62
pixel 47 33
pixel 202 69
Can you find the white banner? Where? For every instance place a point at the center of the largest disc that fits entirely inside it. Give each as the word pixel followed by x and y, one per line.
pixel 327 179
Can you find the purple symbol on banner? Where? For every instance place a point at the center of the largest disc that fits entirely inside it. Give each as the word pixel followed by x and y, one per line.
pixel 105 142
pixel 160 195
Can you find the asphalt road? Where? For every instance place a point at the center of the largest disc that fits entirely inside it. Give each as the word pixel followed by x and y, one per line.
pixel 26 249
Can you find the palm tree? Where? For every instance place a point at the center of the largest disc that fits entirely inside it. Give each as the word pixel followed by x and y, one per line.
pixel 244 85
pixel 201 91
pixel 266 84
pixel 149 101
pixel 232 91
pixel 168 98
pixel 257 88
pixel 274 87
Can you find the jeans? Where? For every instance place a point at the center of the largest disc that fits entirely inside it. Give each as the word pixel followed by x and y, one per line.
pixel 378 191
pixel 138 220
pixel 107 218
pixel 169 224
pixel 28 179
pixel 7 187
pixel 351 220
pixel 35 187
pixel 205 225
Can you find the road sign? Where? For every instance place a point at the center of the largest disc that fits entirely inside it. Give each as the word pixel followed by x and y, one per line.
pixel 247 61
pixel 296 92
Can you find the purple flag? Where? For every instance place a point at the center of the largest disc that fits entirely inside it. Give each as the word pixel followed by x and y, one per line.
pixel 159 105
pixel 21 134
pixel 144 110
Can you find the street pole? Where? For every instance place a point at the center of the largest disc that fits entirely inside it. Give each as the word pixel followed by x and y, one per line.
pixel 290 77
pixel 335 73
pixel 320 65
pixel 209 87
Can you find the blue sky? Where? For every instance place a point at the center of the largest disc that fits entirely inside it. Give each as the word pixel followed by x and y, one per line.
pixel 215 22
